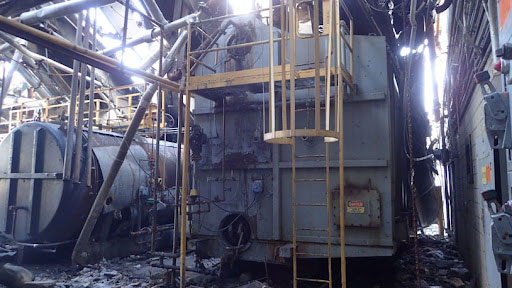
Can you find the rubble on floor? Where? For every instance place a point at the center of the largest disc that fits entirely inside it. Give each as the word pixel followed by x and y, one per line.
pixel 440 264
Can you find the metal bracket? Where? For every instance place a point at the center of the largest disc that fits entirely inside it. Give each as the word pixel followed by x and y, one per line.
pixel 497 113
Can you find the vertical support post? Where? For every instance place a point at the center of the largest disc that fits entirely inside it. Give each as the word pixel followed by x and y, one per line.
pixel 90 124
pixel 293 56
pixel 157 148
pixel 178 174
pixel 81 103
pixel 316 33
pixel 328 195
pixel 340 142
pixel 294 203
pixel 328 68
pixel 46 110
pixel 352 48
pixel 184 176
pixel 284 117
pixel 68 154
pixel 271 91
pixel 125 28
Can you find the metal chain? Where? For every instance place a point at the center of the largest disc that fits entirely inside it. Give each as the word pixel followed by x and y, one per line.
pixel 413 190
pixel 411 165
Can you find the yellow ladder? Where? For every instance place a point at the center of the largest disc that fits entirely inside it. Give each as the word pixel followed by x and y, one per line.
pixel 302 206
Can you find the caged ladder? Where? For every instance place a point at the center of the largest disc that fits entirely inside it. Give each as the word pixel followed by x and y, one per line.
pixel 340 44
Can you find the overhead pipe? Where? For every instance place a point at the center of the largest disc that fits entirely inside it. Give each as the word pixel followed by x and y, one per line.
pixel 41 58
pixel 5 47
pixel 59 10
pixel 149 36
pixel 155 11
pixel 491 7
pixel 177 45
pixel 6 82
pixel 35 82
pixel 80 254
pixel 82 54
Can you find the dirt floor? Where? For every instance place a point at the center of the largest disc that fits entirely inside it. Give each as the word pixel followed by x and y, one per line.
pixel 440 266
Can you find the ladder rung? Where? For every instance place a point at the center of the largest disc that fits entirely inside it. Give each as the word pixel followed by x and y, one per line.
pixel 310 156
pixel 311 204
pixel 313 229
pixel 313 280
pixel 312 254
pixel 310 180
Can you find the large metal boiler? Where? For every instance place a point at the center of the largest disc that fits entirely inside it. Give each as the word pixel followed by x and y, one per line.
pixel 38 206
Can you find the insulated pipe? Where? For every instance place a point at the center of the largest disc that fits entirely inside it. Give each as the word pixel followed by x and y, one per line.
pixel 59 10
pixel 38 57
pixel 35 82
pixel 149 36
pixel 84 55
pixel 5 47
pixel 80 254
pixel 154 57
pixel 177 45
pixel 492 16
pixel 6 82
pixel 155 11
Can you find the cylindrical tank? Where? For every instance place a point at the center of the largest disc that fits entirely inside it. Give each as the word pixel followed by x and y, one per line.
pixel 38 206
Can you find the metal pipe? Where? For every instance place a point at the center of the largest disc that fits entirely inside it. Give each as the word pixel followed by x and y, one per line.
pixel 6 81
pixel 12 42
pixel 178 174
pixel 157 148
pixel 84 55
pixel 4 48
pixel 80 254
pixel 184 174
pixel 154 57
pixel 72 105
pixel 35 82
pixel 492 16
pixel 125 28
pixel 149 36
pixel 155 11
pixel 175 48
pixel 90 126
pixel 81 103
pixel 60 9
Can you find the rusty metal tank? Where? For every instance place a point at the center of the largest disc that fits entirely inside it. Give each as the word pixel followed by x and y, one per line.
pixel 38 206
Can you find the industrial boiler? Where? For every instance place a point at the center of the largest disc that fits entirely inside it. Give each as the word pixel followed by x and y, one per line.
pixel 39 207
pixel 241 202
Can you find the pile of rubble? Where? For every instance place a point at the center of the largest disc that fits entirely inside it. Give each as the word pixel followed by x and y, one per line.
pixel 440 265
